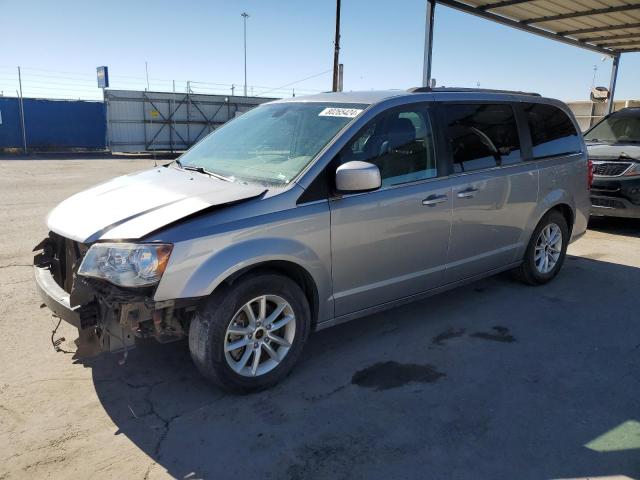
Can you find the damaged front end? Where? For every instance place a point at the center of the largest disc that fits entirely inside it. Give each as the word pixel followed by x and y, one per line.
pixel 109 317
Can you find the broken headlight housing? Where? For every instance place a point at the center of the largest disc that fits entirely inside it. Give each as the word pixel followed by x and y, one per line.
pixel 126 264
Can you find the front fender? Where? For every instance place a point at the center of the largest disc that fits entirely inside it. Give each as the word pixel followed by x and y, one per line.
pixel 224 263
pixel 302 237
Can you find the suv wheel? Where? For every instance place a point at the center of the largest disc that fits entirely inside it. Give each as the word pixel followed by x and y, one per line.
pixel 546 250
pixel 248 336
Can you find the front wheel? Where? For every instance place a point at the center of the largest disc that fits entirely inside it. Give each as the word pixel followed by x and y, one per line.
pixel 249 335
pixel 546 251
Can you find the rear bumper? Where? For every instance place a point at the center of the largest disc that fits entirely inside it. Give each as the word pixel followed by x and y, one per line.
pixel 54 297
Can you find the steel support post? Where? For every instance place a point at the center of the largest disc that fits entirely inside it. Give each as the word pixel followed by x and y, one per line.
pixel 428 43
pixel 612 83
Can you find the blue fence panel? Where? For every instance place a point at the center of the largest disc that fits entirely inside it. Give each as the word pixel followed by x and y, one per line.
pixel 53 124
pixel 10 130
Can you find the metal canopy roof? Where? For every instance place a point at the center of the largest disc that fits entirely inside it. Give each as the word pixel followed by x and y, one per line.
pixel 610 27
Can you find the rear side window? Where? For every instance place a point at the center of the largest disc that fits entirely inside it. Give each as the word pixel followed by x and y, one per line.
pixel 481 136
pixel 552 132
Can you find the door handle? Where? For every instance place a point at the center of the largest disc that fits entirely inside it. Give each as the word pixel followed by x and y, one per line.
pixel 433 200
pixel 468 193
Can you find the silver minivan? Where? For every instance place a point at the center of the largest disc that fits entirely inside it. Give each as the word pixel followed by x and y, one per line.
pixel 308 212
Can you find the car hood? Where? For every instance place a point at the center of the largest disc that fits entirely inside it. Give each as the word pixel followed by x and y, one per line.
pixel 604 151
pixel 132 206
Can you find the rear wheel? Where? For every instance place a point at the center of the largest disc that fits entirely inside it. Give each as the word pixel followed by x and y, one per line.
pixel 248 336
pixel 546 251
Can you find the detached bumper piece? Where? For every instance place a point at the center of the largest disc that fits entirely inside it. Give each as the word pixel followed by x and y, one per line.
pixel 54 297
pixel 108 318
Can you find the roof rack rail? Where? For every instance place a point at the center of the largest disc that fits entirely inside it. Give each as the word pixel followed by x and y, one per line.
pixel 458 89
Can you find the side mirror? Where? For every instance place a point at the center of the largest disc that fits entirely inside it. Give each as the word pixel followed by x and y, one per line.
pixel 357 177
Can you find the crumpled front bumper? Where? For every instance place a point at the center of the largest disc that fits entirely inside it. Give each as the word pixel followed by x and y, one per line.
pixel 108 318
pixel 108 337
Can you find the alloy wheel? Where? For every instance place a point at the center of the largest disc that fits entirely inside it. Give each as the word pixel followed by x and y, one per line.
pixel 259 336
pixel 548 248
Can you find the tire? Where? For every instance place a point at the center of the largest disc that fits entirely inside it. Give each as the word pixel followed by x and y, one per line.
pixel 530 271
pixel 210 339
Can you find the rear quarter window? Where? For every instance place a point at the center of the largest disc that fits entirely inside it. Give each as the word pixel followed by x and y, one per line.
pixel 552 131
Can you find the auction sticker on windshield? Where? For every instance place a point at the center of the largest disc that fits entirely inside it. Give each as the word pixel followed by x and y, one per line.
pixel 340 112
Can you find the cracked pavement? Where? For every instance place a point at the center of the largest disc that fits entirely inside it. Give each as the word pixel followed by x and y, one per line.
pixel 493 380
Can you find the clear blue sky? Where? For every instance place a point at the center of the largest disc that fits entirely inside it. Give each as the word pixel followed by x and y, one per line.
pixel 382 47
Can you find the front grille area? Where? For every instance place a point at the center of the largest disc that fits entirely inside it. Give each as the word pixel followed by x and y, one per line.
pixel 64 255
pixel 610 169
pixel 607 203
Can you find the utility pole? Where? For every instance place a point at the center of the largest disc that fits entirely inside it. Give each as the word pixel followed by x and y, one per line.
pixel 24 132
pixel 336 48
pixel 244 16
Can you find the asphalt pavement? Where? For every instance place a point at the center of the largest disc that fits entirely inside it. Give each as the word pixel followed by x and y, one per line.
pixel 495 380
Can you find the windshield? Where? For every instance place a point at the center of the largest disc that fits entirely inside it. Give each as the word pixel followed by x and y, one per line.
pixel 272 143
pixel 616 128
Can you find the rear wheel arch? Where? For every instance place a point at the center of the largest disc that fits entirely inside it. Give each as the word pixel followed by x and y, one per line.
pixel 567 212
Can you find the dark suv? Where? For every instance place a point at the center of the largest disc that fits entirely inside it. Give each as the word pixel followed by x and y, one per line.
pixel 614 147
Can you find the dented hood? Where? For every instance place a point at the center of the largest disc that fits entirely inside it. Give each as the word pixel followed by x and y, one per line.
pixel 132 206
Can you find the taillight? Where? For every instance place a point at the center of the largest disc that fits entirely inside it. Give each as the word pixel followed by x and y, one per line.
pixel 589 174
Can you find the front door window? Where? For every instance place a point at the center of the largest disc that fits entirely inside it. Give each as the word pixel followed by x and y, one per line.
pixel 399 143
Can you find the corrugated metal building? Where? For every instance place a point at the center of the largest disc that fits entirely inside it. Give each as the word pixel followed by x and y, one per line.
pixel 588 113
pixel 146 121
pixel 127 121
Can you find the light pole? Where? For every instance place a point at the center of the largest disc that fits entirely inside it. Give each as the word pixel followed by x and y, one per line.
pixel 336 49
pixel 244 16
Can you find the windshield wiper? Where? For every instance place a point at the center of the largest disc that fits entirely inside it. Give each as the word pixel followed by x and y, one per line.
pixel 205 172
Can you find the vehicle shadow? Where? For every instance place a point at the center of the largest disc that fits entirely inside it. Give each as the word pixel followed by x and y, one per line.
pixel 492 380
pixel 628 227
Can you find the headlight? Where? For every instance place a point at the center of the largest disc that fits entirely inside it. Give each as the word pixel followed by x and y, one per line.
pixel 126 264
pixel 634 170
